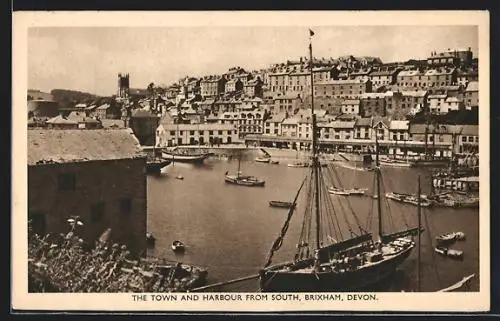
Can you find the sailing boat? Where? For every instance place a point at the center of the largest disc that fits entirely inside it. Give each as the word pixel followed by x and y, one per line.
pixel 240 179
pixel 355 191
pixel 333 264
pixel 298 163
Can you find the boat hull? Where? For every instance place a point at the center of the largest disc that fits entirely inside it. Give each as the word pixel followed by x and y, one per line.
pixel 155 167
pixel 262 160
pixel 397 164
pixel 236 181
pixel 431 163
pixel 365 278
pixel 406 200
pixel 185 158
pixel 280 204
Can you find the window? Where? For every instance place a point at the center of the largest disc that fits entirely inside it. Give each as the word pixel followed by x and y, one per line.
pixel 210 132
pixel 191 132
pixel 66 182
pixel 125 206
pixel 97 212
pixel 172 133
pixel 471 139
pixel 464 139
pixel 220 132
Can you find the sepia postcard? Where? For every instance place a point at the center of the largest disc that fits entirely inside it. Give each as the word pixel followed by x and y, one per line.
pixel 251 161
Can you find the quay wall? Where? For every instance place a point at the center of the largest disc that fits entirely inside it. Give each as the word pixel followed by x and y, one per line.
pixel 106 194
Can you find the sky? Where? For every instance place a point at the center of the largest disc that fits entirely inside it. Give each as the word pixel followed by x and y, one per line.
pixel 90 58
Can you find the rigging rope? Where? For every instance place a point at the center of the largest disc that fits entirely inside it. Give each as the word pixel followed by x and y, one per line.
pixel 387 205
pixel 279 241
pixel 433 254
pixel 306 225
pixel 369 219
pixel 349 206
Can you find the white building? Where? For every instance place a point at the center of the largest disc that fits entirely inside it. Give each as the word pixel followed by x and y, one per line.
pixel 289 127
pixel 436 102
pixel 194 134
pixel 350 106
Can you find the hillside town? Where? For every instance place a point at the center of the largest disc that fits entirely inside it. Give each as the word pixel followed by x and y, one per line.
pixel 87 158
pixel 354 97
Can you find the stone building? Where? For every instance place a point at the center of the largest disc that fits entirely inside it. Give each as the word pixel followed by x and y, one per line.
pixel 98 175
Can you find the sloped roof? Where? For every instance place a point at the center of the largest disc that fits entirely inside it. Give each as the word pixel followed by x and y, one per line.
pixel 112 123
pixel 63 146
pixel 278 118
pixel 365 122
pixel 290 121
pixel 438 96
pixel 472 86
pixel 432 72
pixel 452 100
pixel 340 124
pixel 383 72
pixel 81 118
pixel 399 125
pixel 414 93
pixel 61 120
pixel 383 120
pixel 409 73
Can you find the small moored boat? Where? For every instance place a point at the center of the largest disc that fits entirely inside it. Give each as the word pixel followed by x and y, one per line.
pixel 280 204
pixel 347 191
pixel 456 254
pixel 396 162
pixel 298 165
pixel 178 246
pixel 409 199
pixel 273 161
pixel 450 237
pixel 179 177
pixel 240 179
pixel 262 159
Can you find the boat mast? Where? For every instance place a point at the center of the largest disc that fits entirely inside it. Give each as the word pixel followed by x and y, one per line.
pixel 315 163
pixel 377 173
pixel 239 164
pixel 419 211
pixel 425 140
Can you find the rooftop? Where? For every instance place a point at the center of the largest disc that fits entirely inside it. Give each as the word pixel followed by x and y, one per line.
pixel 472 86
pixel 68 146
pixel 399 125
pixel 198 127
pixel 409 73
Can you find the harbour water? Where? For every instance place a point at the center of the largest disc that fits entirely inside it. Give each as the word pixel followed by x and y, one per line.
pixel 229 229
